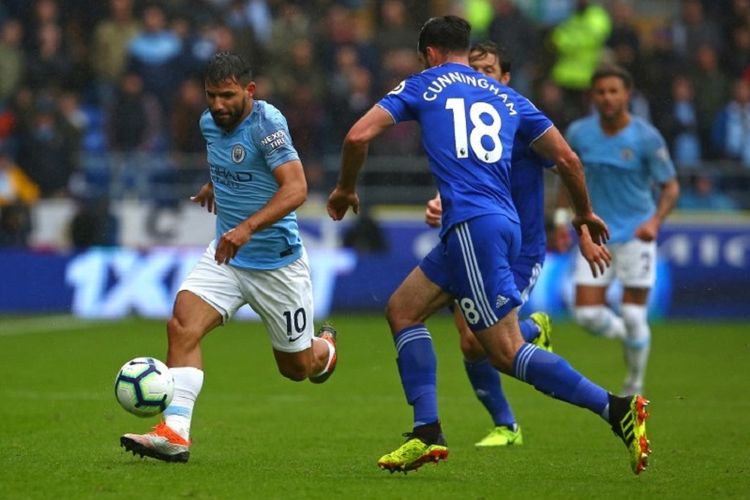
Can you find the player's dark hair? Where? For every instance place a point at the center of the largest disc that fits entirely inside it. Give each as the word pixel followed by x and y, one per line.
pixel 612 70
pixel 225 66
pixel 481 49
pixel 446 33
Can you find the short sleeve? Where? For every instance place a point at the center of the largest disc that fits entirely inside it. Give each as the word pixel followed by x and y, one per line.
pixel 659 163
pixel 532 123
pixel 274 140
pixel 401 102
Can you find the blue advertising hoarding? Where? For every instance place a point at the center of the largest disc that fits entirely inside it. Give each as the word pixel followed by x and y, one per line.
pixel 703 271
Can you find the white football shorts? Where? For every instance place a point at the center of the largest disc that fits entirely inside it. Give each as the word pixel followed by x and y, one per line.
pixel 633 263
pixel 283 298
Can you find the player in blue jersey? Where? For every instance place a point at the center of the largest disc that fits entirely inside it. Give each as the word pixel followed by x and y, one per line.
pixel 468 124
pixel 257 258
pixel 527 191
pixel 624 158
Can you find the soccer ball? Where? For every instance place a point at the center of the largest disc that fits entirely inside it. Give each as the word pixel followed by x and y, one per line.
pixel 144 386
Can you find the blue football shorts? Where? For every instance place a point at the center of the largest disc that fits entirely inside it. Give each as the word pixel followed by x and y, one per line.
pixel 526 270
pixel 472 263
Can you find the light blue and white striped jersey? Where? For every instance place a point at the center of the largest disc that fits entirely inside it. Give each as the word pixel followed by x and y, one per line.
pixel 621 171
pixel 241 163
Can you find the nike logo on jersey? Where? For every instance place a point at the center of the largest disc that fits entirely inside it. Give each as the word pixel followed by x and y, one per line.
pixel 294 339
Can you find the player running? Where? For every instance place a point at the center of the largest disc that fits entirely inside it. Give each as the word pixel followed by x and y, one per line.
pixel 527 191
pixel 257 258
pixel 468 126
pixel 624 157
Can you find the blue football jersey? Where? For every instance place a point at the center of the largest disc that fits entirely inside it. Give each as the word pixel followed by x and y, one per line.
pixel 241 163
pixel 527 191
pixel 621 171
pixel 469 123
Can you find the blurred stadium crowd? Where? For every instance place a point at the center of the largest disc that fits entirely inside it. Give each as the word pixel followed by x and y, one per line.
pixel 100 100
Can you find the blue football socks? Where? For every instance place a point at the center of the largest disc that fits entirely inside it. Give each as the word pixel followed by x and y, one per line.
pixel 552 375
pixel 417 366
pixel 529 329
pixel 485 380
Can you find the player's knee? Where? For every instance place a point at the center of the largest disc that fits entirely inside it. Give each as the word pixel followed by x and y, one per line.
pixel 635 317
pixel 634 314
pixel 398 316
pixel 589 317
pixel 181 336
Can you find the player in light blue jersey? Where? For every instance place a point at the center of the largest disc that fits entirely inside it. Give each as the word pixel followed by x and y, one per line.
pixel 625 158
pixel 257 258
pixel 469 123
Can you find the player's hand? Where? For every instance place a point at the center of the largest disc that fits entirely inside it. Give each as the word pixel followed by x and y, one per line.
pixel 230 243
pixel 433 212
pixel 205 197
pixel 339 202
pixel 598 229
pixel 648 231
pixel 597 256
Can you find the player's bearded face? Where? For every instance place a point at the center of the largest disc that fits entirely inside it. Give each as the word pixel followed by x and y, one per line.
pixel 610 96
pixel 227 102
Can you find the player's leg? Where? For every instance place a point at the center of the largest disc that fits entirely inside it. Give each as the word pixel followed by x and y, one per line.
pixel 554 376
pixel 637 344
pixel 209 296
pixel 314 363
pixel 485 380
pixel 495 324
pixel 537 328
pixel 408 307
pixel 637 271
pixel 283 298
pixel 591 309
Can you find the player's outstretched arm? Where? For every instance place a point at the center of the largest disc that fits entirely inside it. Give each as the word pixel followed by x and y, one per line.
pixel 292 193
pixel 205 196
pixel 552 145
pixel 649 230
pixel 353 155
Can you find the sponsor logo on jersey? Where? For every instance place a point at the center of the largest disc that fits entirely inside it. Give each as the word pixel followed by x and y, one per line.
pixel 274 141
pixel 228 177
pixel 238 153
pixel 662 154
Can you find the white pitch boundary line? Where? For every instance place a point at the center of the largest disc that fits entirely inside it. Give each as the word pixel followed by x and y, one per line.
pixel 45 324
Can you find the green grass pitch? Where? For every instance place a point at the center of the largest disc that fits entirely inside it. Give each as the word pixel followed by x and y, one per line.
pixel 257 435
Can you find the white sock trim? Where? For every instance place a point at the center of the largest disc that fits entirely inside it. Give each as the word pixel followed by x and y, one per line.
pixel 188 382
pixel 331 352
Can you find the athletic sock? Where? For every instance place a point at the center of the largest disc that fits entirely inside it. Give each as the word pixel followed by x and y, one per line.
pixel 485 380
pixel 187 385
pixel 552 375
pixel 636 346
pixel 417 367
pixel 331 353
pixel 600 320
pixel 529 329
